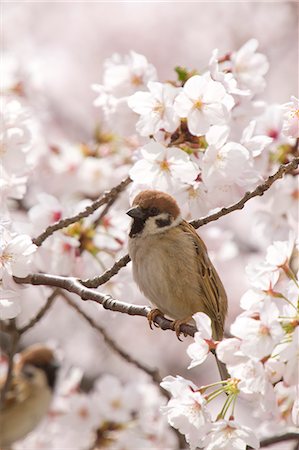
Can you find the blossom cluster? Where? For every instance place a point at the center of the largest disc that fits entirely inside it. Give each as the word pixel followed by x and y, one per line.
pixel 262 360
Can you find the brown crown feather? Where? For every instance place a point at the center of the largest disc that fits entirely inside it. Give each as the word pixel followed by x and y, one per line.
pixel 164 202
pixel 36 355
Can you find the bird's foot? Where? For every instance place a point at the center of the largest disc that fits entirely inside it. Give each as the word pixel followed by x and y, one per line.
pixel 152 315
pixel 176 326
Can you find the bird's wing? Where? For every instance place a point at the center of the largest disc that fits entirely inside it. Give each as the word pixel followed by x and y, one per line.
pixel 215 298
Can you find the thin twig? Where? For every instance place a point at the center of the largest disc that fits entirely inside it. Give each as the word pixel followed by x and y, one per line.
pixel 14 344
pixel 283 169
pixel 98 281
pixel 107 301
pixel 40 313
pixel 153 373
pixel 280 438
pixel 259 190
pixel 105 198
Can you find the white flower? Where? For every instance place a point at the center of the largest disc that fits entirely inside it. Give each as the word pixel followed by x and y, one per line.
pixel 274 370
pixel 177 385
pixel 279 253
pixel 16 254
pixel 291 118
pixel 228 435
pixel 9 304
pixel 124 74
pixel 229 352
pixel 203 102
pixel 255 144
pixel 226 78
pixel 227 164
pixel 94 175
pixel 193 200
pixel 199 350
pixel 15 135
pixel 155 108
pixel 117 403
pixel 289 353
pixel 259 336
pixel 249 67
pixel 252 376
pixel 162 167
pixel 46 211
pixel 187 411
pixel 270 123
pixel 11 185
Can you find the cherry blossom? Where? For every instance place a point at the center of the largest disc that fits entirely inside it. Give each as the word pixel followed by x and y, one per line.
pixel 259 336
pixel 16 254
pixel 155 108
pixel 229 434
pixel 291 118
pixel 199 350
pixel 162 167
pixel 203 102
pixel 249 67
pixel 187 410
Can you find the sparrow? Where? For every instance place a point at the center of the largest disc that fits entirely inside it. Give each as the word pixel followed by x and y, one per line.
pixel 171 265
pixel 29 396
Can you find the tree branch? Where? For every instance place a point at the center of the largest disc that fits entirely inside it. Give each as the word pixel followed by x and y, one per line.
pixel 258 191
pixel 107 197
pixel 280 438
pixel 74 286
pixel 98 281
pixel 153 373
pixel 40 313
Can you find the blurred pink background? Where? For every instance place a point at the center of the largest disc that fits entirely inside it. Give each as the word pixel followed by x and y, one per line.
pixel 65 43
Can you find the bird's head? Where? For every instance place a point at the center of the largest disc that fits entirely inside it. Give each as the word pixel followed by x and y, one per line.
pixel 153 212
pixel 42 358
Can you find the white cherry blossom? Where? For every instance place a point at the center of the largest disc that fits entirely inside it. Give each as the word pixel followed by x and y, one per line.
pixel 249 67
pixel 46 211
pixel 203 102
pixel 162 167
pixel 187 411
pixel 155 108
pixel 199 350
pixel 16 253
pixel 291 118
pixel 226 78
pixel 289 353
pixel 255 144
pixel 228 435
pixel 259 336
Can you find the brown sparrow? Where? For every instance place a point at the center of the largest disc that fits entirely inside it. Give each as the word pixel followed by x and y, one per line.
pixel 171 265
pixel 29 396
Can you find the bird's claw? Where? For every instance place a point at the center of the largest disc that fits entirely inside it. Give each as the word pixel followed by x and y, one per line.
pixel 152 315
pixel 176 326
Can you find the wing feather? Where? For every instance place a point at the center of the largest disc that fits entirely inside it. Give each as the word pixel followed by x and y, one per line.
pixel 215 299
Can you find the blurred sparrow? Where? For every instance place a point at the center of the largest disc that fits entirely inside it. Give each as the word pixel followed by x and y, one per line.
pixel 171 265
pixel 29 396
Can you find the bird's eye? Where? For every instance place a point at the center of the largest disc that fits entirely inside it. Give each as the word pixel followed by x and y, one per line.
pixel 153 211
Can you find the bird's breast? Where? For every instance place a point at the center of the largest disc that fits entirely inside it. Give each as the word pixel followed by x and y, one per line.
pixel 164 269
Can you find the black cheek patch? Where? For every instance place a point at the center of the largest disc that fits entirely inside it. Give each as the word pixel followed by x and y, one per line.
pixel 137 227
pixel 163 222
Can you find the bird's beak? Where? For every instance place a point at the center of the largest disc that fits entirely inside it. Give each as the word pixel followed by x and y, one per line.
pixel 136 212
